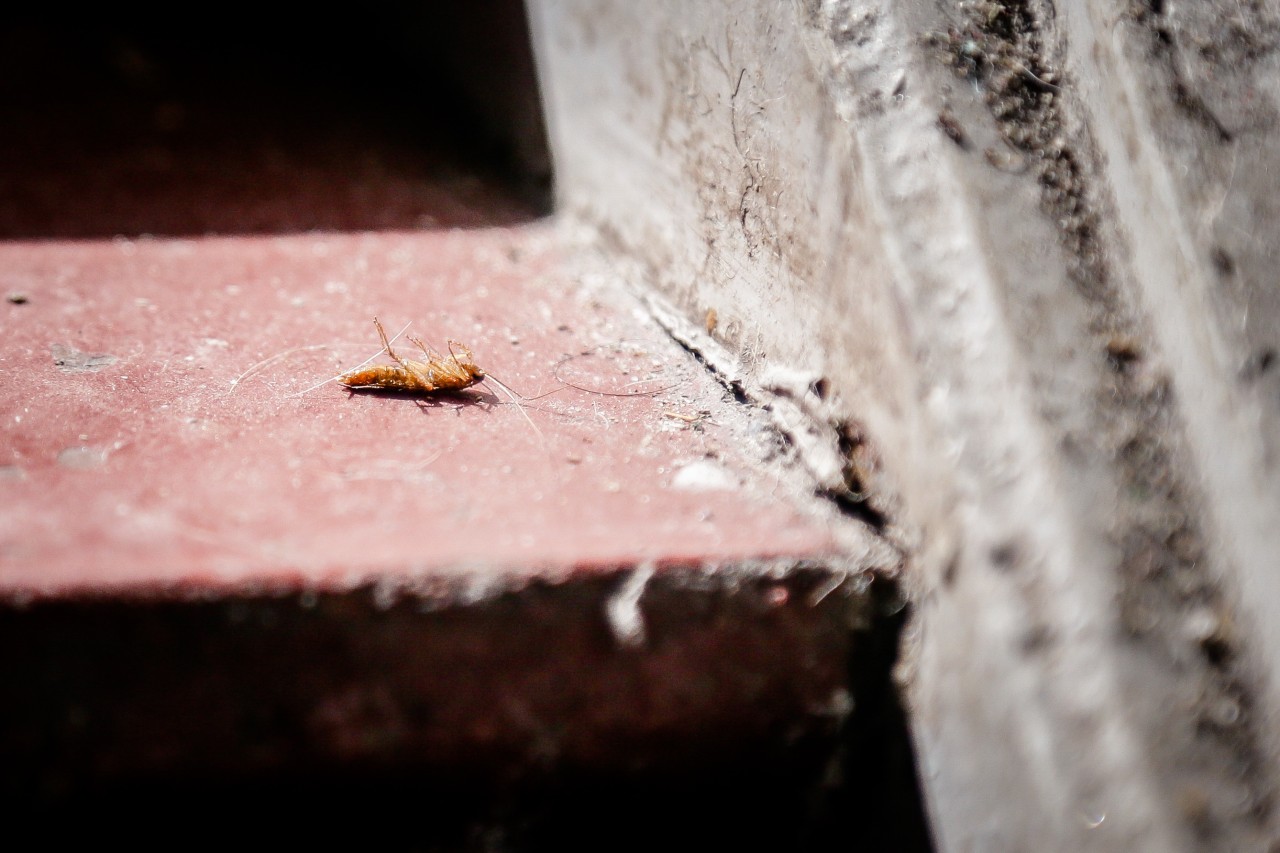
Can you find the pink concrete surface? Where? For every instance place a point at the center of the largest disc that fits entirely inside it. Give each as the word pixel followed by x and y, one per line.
pixel 165 420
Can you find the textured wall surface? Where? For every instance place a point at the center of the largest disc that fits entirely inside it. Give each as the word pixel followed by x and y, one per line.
pixel 1004 267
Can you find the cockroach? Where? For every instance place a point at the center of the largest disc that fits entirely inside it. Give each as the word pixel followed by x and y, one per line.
pixel 437 373
pixel 434 375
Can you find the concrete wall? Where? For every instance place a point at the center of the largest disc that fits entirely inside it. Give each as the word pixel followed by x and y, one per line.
pixel 1005 266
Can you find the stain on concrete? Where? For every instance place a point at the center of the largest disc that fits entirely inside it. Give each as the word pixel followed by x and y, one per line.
pixel 71 360
pixel 82 458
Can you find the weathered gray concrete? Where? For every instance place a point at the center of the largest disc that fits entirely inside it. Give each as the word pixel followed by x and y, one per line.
pixel 1018 261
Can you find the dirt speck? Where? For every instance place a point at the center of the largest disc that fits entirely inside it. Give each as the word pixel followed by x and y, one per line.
pixel 950 125
pixel 1259 363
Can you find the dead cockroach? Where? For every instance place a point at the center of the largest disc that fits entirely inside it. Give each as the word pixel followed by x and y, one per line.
pixel 437 373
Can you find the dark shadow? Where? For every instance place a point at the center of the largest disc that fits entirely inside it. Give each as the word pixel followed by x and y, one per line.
pixel 390 116
pixel 103 740
pixel 876 796
pixel 427 402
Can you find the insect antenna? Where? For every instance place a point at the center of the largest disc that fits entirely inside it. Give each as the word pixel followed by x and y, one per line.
pixel 525 397
pixel 357 367
pixel 235 383
pixel 512 394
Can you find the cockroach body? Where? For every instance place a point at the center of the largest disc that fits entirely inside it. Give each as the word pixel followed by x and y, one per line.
pixel 438 373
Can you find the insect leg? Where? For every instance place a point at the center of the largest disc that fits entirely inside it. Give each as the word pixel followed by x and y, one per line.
pixel 471 359
pixel 428 351
pixel 386 345
pixel 424 378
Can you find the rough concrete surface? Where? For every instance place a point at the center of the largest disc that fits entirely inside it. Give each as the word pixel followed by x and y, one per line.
pixel 223 452
pixel 1022 249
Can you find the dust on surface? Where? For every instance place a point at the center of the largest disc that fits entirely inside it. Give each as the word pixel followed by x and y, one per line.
pixel 1172 610
pixel 1202 48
